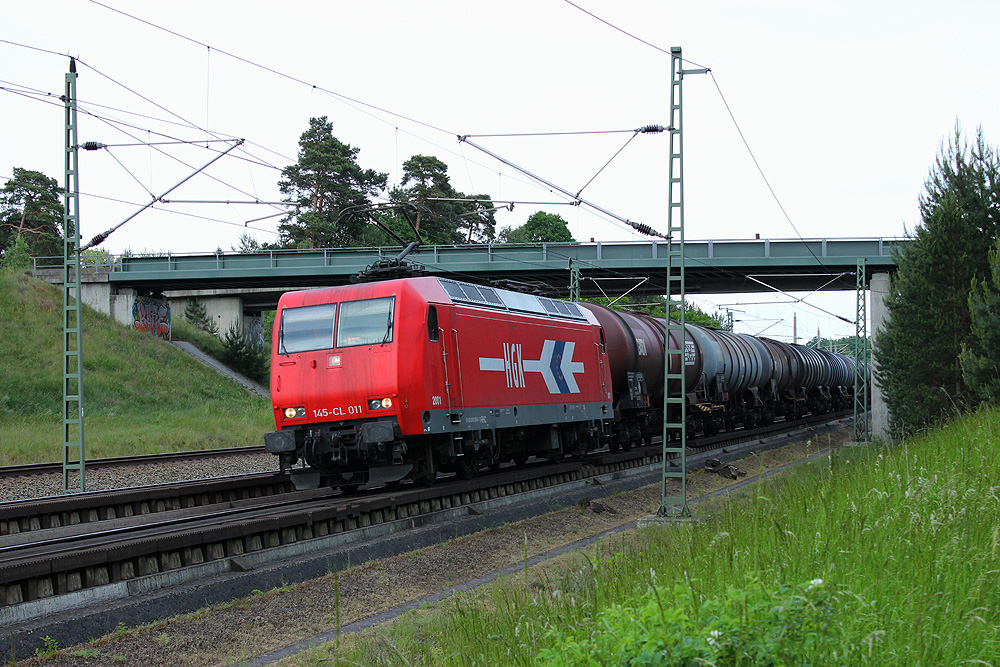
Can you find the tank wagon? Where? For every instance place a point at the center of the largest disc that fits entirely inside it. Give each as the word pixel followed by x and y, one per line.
pixel 402 379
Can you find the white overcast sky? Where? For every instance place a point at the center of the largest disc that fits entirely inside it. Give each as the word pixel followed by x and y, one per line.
pixel 843 104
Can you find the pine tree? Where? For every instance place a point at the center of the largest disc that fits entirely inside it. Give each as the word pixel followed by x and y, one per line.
pixel 31 209
pixel 195 313
pixel 324 182
pixel 981 356
pixel 246 355
pixel 918 351
pixel 445 220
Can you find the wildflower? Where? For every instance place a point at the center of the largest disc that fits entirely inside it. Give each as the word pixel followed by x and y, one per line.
pixel 712 637
pixel 814 583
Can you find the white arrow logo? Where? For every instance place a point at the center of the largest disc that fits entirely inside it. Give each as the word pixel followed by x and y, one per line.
pixel 555 364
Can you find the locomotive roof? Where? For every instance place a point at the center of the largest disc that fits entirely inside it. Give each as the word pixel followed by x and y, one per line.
pixel 499 299
pixel 456 291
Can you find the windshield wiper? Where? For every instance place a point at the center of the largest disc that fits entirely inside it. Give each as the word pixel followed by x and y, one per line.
pixel 281 341
pixel 388 331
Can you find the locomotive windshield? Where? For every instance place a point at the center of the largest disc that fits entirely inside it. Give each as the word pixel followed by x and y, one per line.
pixel 365 322
pixel 307 328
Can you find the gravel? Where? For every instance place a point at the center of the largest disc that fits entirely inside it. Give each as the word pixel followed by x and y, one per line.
pixel 103 479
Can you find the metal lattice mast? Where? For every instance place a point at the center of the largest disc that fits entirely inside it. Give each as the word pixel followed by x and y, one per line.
pixel 574 281
pixel 74 457
pixel 674 409
pixel 862 427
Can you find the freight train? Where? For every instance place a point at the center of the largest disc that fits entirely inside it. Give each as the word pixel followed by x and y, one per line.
pixel 379 382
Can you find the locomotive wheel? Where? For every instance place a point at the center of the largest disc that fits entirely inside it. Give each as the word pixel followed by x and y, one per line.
pixel 466 467
pixel 429 467
pixel 348 488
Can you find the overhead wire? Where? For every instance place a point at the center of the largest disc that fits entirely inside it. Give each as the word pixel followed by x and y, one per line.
pixel 339 96
pixel 738 129
pixel 279 73
pixel 342 97
pixel 155 208
pixel 182 162
pixel 85 104
pixel 728 110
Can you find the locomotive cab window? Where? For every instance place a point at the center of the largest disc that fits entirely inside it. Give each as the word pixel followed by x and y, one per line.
pixel 306 328
pixel 432 323
pixel 367 322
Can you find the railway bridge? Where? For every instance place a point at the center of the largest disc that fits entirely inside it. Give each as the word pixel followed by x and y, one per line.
pixel 233 285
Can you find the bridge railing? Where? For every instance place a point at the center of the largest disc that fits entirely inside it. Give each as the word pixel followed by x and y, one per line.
pixel 356 259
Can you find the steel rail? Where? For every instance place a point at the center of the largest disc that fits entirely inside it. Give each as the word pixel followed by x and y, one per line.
pixel 119 553
pixel 29 469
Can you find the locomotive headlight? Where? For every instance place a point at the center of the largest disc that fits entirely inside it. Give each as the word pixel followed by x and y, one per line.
pixel 292 413
pixel 380 404
pixel 386 402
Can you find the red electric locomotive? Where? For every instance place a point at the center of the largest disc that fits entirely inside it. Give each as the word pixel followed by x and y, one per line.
pixel 377 382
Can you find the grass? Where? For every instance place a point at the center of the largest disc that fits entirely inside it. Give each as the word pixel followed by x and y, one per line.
pixel 141 395
pixel 872 556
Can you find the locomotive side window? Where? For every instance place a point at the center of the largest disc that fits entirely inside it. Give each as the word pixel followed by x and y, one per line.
pixel 432 323
pixel 365 322
pixel 306 328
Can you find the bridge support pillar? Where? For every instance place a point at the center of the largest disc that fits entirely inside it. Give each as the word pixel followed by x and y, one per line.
pixel 224 310
pixel 880 418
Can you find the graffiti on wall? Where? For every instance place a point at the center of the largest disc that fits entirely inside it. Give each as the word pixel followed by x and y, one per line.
pixel 151 315
pixel 255 329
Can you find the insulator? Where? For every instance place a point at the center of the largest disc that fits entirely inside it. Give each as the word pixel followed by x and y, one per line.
pixel 92 146
pixel 652 129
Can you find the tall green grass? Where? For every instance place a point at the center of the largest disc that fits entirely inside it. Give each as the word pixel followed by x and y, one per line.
pixel 141 395
pixel 872 556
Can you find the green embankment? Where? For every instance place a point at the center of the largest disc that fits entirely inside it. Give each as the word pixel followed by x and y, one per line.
pixel 877 555
pixel 141 395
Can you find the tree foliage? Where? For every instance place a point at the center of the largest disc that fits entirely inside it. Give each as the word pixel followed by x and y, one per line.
pixel 31 209
pixel 426 184
pixel 196 314
pixel 16 257
pixel 246 355
pixel 324 181
pixel 540 227
pixel 929 317
pixel 847 345
pixel 655 307
pixel 981 356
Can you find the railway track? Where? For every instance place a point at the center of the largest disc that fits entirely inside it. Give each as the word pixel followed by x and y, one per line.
pixel 29 469
pixel 65 553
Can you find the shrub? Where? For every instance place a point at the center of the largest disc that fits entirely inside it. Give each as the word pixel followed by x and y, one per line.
pixel 16 257
pixel 749 625
pixel 194 312
pixel 246 355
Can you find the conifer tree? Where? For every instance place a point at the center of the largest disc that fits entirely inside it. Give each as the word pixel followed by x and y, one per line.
pixel 31 209
pixel 929 320
pixel 324 182
pixel 981 356
pixel 445 219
